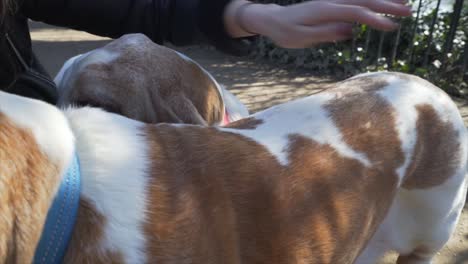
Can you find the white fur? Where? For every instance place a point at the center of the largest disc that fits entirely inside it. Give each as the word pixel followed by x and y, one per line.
pixel 80 61
pixel 61 77
pixel 73 66
pixel 404 95
pixel 114 166
pixel 426 217
pixel 417 218
pixel 114 163
pixel 47 124
pixel 306 117
pixel 235 108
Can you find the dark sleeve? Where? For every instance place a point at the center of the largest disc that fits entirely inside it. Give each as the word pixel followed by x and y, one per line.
pixel 177 21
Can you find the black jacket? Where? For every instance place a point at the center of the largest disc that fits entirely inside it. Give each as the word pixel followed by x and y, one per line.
pixel 177 21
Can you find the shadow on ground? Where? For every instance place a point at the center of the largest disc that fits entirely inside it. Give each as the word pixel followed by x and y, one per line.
pixel 258 84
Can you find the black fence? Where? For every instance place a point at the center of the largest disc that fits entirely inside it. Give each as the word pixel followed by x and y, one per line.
pixel 437 28
pixel 433 43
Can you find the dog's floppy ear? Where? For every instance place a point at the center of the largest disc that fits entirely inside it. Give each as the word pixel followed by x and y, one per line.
pixel 180 109
pixel 146 82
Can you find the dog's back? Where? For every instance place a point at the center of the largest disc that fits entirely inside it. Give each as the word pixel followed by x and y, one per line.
pixel 374 163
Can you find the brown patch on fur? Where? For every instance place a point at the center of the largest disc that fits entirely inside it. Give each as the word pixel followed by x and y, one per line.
pixel 436 155
pixel 150 83
pixel 367 121
pixel 87 236
pixel 230 201
pixel 359 85
pixel 246 123
pixel 27 184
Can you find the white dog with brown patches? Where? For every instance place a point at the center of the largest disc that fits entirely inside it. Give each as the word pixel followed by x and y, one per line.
pixel 374 163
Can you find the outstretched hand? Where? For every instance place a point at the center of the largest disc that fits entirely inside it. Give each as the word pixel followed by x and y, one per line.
pixel 309 23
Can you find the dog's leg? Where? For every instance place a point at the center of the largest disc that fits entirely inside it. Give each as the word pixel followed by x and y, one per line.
pixel 419 223
pixel 435 215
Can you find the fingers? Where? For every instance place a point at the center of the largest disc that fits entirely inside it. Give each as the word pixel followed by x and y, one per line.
pixel 403 2
pixel 326 33
pixel 328 12
pixel 312 22
pixel 307 36
pixel 363 15
pixel 389 7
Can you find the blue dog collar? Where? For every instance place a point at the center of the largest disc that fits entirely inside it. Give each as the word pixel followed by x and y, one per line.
pixel 61 218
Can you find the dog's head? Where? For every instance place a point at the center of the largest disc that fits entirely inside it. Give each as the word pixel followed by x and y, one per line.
pixel 139 79
pixel 36 145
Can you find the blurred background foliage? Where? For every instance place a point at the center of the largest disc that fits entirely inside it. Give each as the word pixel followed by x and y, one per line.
pixel 433 44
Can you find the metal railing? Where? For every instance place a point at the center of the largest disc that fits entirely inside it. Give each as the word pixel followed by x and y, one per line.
pixel 427 29
pixel 433 43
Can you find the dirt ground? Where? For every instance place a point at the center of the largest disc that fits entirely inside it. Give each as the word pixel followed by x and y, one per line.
pixel 257 84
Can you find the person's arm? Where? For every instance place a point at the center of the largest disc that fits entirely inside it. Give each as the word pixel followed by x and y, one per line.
pixel 176 21
pixel 311 22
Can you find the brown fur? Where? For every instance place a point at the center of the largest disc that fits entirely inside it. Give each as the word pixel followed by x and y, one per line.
pixel 246 123
pixel 258 211
pixel 230 201
pixel 28 181
pixel 150 83
pixel 437 152
pixel 360 85
pixel 87 235
pixel 436 140
pixel 374 134
pixel 219 197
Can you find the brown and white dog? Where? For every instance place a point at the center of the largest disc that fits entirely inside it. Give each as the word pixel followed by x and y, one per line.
pixel 139 79
pixel 375 163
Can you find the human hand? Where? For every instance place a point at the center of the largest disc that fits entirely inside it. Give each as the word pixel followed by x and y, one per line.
pixel 309 23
